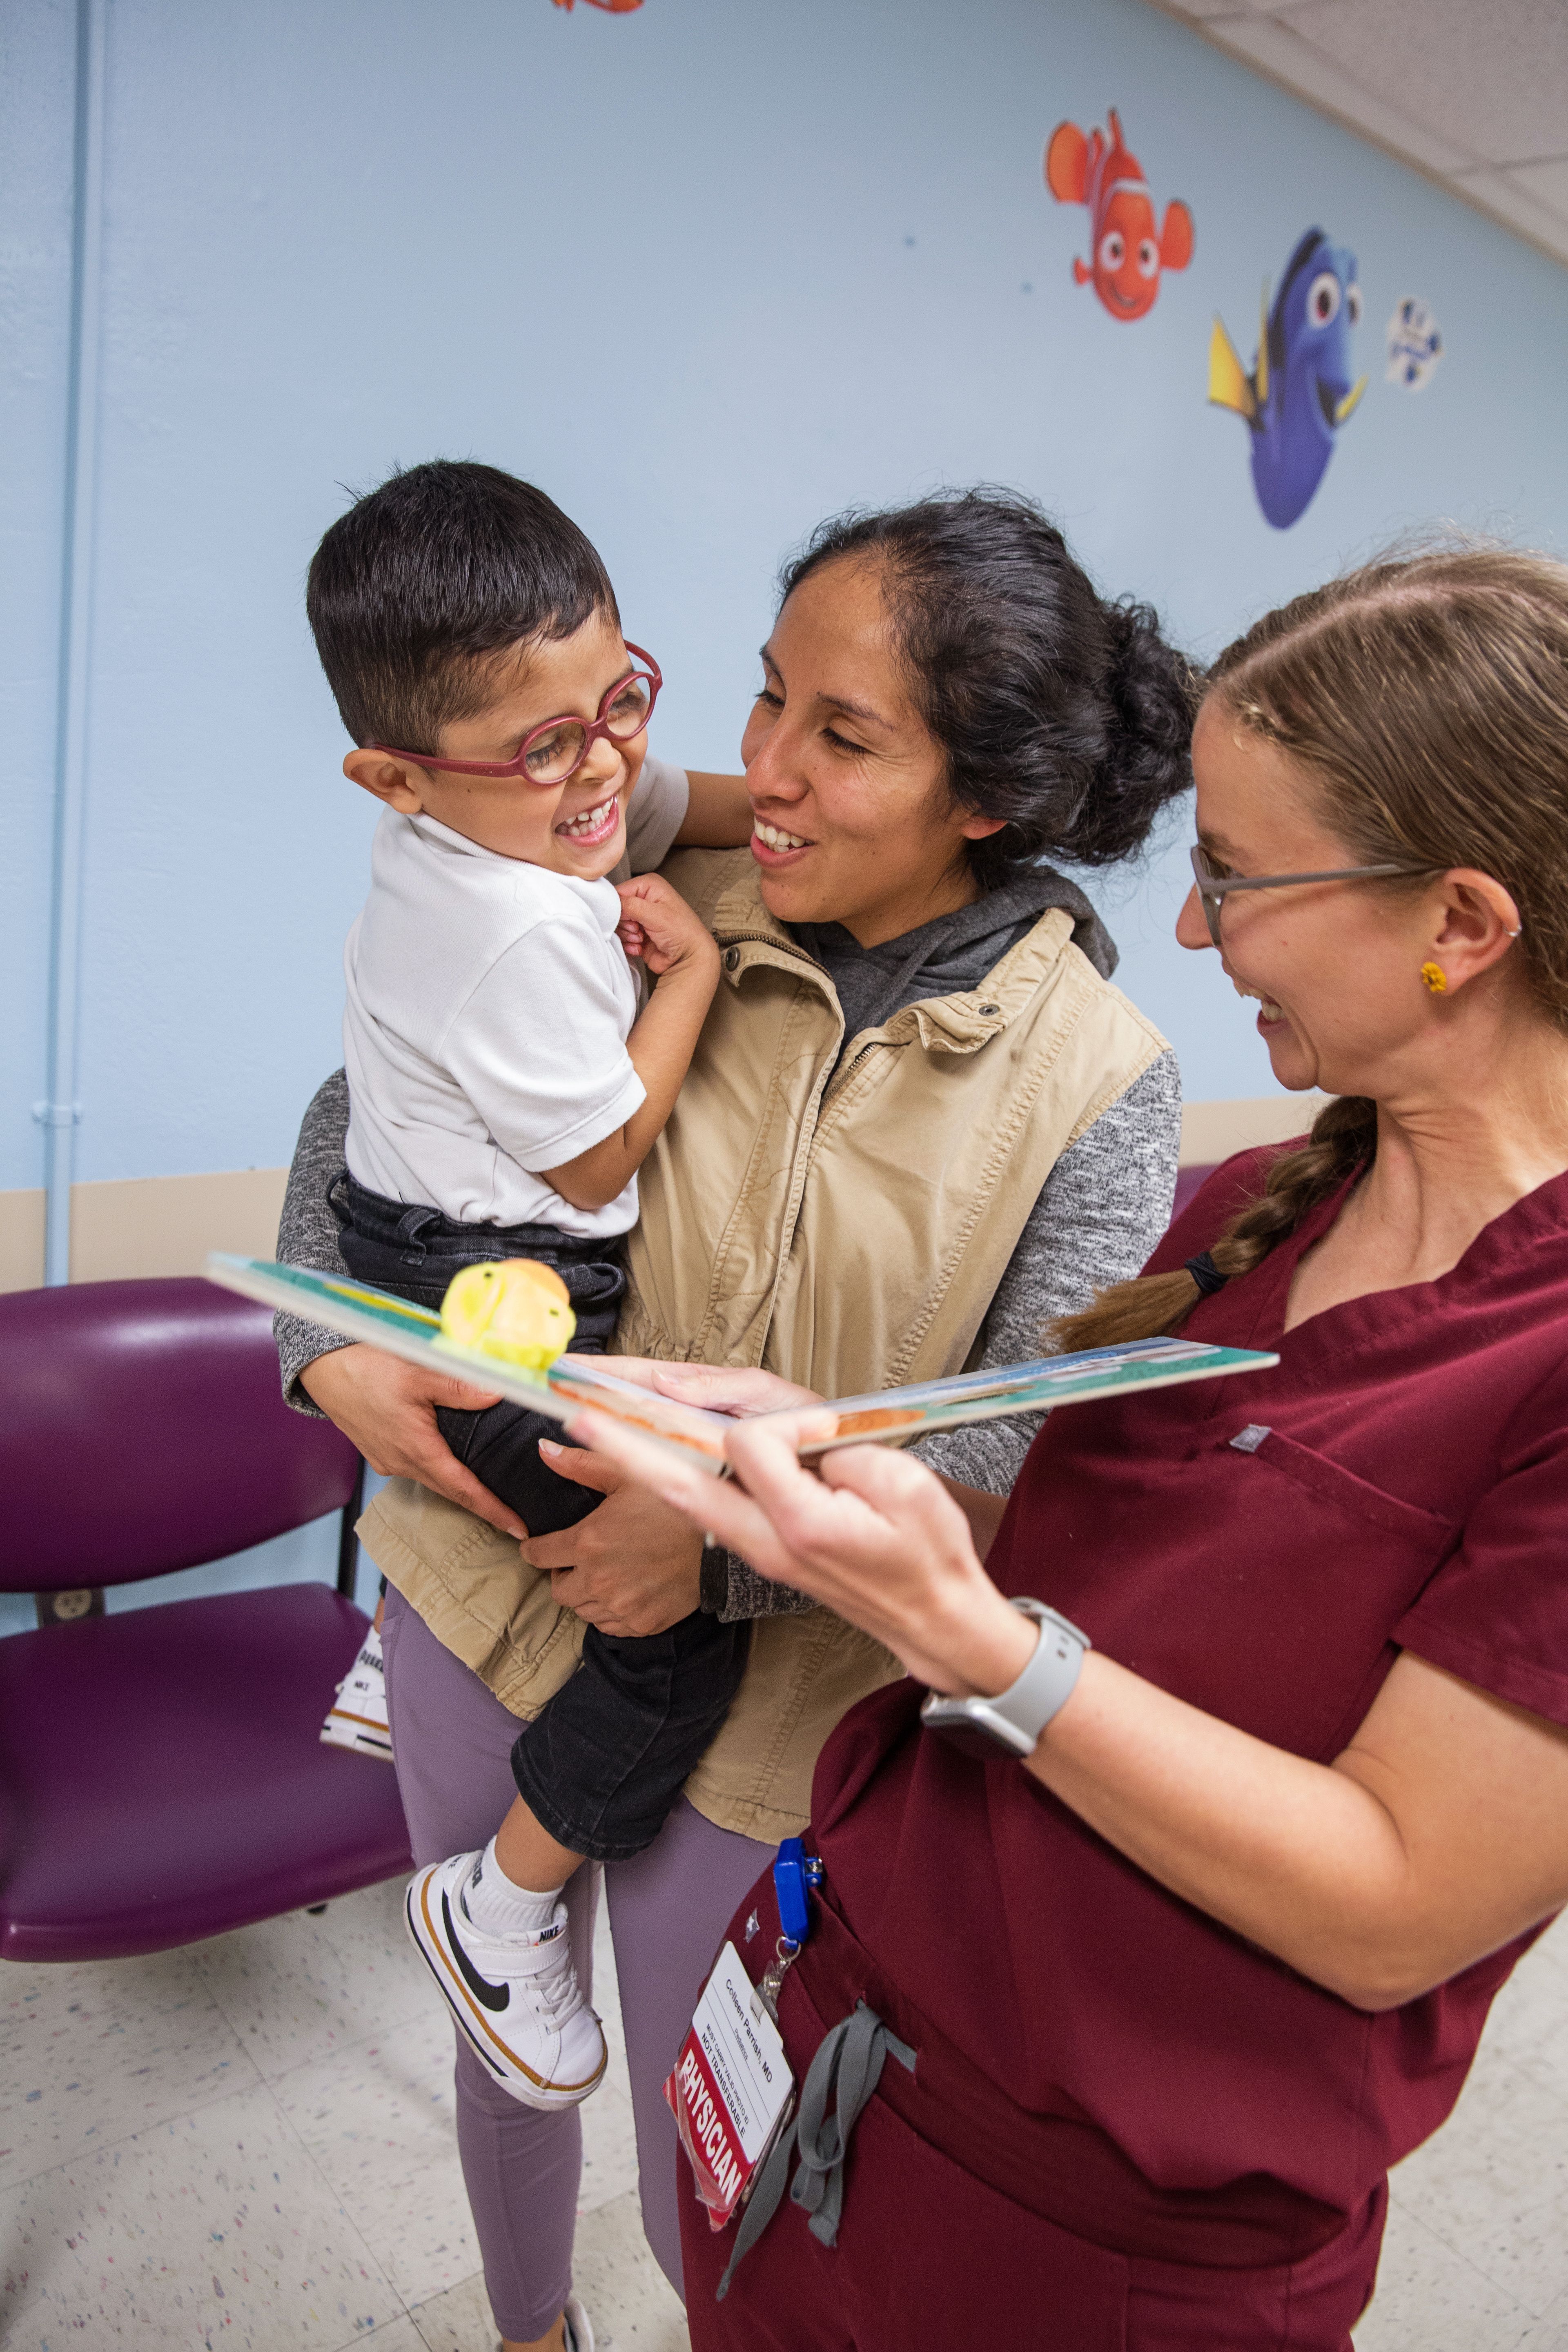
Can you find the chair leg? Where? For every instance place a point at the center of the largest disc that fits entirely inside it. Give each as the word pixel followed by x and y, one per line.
pixel 348 1542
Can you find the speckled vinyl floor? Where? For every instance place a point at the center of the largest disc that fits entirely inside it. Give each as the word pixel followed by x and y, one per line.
pixel 265 2163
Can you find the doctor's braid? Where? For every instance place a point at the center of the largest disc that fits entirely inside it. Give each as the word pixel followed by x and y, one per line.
pixel 1425 701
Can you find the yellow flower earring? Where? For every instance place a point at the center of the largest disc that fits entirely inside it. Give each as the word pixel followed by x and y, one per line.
pixel 1434 978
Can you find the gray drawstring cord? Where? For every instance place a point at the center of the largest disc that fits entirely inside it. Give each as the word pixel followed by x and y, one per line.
pixel 848 2061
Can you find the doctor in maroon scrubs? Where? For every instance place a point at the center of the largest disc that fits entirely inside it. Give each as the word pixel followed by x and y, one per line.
pixel 1262 1811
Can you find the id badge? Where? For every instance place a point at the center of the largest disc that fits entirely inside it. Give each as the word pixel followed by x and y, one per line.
pixel 730 2089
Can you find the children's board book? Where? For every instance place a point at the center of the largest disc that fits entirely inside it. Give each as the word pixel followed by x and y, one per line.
pixel 890 1416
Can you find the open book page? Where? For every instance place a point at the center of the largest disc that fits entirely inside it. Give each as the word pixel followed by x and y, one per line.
pixel 890 1416
pixel 900 1415
pixel 362 1312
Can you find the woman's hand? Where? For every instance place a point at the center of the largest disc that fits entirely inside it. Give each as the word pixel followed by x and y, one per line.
pixel 717 1388
pixel 875 1538
pixel 984 1512
pixel 633 1565
pixel 387 1409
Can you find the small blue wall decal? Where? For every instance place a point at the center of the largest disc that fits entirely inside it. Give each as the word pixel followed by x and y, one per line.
pixel 1414 345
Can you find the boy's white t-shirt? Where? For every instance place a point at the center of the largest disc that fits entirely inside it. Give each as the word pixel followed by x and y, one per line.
pixel 489 1003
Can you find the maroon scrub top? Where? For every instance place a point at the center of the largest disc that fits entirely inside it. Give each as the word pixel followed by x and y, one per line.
pixel 1411 1491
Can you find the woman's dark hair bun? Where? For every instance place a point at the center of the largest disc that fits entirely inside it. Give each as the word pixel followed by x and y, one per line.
pixel 1068 717
pixel 1154 692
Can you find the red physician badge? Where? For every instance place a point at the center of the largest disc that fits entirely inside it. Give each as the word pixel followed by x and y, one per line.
pixel 731 2089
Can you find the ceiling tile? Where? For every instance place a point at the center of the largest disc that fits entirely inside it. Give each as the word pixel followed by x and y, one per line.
pixel 1474 91
pixel 1546 181
pixel 1489 75
pixel 1275 47
pixel 1497 193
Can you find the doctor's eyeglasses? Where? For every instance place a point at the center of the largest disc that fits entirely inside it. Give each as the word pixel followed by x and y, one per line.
pixel 1214 884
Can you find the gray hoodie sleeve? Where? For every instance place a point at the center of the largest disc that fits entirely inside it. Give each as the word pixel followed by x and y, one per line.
pixel 308 1232
pixel 1104 1206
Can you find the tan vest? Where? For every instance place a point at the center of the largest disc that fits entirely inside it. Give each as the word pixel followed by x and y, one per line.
pixel 849 1231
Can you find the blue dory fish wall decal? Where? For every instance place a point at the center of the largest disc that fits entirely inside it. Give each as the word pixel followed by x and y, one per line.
pixel 1300 390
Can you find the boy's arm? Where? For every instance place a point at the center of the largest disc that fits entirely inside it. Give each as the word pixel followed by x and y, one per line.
pixel 676 946
pixel 718 812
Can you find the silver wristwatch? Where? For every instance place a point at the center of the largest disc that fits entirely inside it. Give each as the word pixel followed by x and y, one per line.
pixel 1011 1724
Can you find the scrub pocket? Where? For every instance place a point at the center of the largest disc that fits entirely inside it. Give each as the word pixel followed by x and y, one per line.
pixel 1345 1560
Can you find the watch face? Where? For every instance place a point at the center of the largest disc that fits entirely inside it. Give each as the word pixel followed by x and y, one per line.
pixel 962 1722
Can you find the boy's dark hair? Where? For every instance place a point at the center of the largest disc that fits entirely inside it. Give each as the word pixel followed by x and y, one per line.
pixel 421 579
pixel 1062 711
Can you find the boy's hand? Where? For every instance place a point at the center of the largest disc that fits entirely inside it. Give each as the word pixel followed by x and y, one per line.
pixel 658 925
pixel 679 949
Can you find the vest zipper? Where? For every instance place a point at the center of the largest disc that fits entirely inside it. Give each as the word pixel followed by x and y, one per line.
pixel 765 939
pixel 840 1077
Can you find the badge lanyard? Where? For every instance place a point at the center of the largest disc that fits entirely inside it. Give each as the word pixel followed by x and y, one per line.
pixel 731 2091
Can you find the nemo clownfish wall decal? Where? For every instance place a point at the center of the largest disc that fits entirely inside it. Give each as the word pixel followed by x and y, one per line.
pixel 1130 249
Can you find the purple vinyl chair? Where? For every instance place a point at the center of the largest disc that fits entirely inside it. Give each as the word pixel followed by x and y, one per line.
pixel 161 1774
pixel 1188 1181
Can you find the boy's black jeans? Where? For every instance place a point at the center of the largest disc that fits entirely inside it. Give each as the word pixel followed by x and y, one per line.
pixel 602 1764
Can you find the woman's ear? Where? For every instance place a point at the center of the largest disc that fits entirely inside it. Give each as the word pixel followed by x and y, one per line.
pixel 981 828
pixel 1478 922
pixel 398 782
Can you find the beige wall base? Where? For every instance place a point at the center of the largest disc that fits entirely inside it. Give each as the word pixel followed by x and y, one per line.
pixel 166 1224
pixel 155 1225
pixel 21 1239
pixel 1211 1131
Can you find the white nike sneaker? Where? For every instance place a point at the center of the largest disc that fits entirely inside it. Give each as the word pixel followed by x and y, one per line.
pixel 358 1716
pixel 516 1998
pixel 579 2326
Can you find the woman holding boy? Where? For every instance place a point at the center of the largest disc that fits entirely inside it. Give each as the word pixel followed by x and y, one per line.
pixel 917 1123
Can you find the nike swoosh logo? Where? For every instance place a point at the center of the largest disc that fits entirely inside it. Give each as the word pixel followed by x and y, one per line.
pixel 494 1996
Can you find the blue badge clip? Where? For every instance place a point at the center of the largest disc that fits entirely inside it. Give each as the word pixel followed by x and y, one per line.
pixel 795 1872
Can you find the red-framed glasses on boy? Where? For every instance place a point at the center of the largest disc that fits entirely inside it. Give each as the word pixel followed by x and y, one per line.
pixel 555 749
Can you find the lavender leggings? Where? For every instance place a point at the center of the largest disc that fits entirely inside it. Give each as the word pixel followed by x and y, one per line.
pixel 668 1909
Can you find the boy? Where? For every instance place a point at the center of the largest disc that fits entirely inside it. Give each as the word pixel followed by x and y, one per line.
pixel 505 1090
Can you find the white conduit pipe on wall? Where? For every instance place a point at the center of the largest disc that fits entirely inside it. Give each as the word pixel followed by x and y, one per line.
pixel 60 1115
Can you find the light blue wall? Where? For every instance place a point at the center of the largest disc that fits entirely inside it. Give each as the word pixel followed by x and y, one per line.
pixel 36 70
pixel 707 272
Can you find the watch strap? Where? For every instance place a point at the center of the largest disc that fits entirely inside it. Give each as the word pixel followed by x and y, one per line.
pixel 1014 1720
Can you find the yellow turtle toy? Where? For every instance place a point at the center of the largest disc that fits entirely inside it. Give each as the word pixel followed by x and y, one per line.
pixel 511 1307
